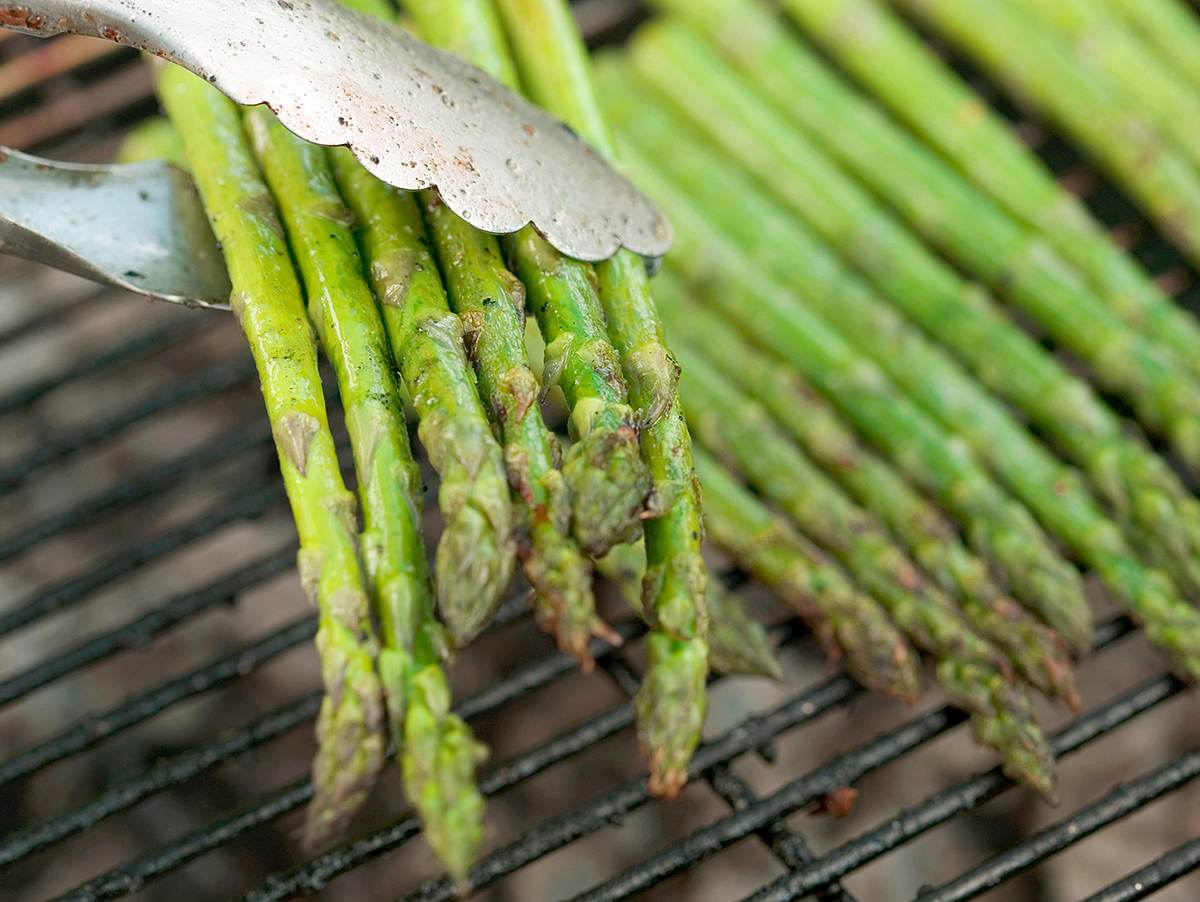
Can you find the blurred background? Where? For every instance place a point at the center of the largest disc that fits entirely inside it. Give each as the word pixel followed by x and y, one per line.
pixel 157 681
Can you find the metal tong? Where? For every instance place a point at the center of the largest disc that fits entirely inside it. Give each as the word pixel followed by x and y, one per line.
pixel 414 116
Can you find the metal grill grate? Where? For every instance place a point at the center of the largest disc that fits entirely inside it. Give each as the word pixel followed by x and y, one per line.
pixel 142 505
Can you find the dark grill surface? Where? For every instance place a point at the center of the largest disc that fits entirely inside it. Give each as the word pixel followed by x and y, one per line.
pixel 157 688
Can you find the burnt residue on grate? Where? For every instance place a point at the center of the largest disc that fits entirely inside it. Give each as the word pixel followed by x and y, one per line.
pixel 158 688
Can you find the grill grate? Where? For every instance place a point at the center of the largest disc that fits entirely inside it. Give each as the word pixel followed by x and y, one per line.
pixel 141 550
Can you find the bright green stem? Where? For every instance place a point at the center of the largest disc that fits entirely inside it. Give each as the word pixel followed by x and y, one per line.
pixel 269 305
pixel 490 301
pixel 609 483
pixel 1104 49
pixel 824 116
pixel 437 755
pixel 476 553
pixel 1119 134
pixel 1000 530
pixel 1035 650
pixel 738 645
pixel 846 621
pixel 777 319
pixel 919 88
pixel 1170 26
pixel 972 670
pixel 557 74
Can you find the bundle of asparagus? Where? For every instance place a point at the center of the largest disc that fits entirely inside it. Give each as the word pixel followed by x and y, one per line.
pixel 808 320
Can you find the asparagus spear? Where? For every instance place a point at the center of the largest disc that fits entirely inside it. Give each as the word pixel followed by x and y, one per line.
pixel 843 619
pixel 437 753
pixel 1053 491
pixel 268 303
pixel 609 483
pixel 1000 530
pixel 1118 134
pixel 790 328
pixel 1103 48
pixel 931 99
pixel 738 644
pixel 824 113
pixel 476 552
pixel 1037 652
pixel 971 670
pixel 1170 27
pixel 490 302
pixel 557 73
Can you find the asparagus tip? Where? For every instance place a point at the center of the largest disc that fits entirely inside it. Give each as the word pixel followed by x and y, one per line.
pixel 670 709
pixel 474 566
pixel 609 486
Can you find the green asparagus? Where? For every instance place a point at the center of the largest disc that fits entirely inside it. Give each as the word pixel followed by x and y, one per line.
pixel 1105 49
pixel 557 73
pixel 475 555
pixel 269 305
pixel 1036 651
pixel 886 56
pixel 476 552
pixel 974 673
pixel 738 644
pixel 844 620
pixel 964 225
pixel 436 751
pixel 1000 530
pixel 1119 134
pixel 609 483
pixel 1055 491
pixel 490 302
pixel 1170 27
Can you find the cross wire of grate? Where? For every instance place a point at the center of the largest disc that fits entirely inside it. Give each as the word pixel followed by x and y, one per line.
pixel 751 816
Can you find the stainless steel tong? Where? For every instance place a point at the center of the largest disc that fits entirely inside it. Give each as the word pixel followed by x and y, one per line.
pixel 414 116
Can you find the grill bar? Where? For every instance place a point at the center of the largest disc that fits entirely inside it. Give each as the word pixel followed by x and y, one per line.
pixel 151 483
pixel 1143 883
pixel 98 728
pixel 205 384
pixel 75 590
pixel 174 330
pixel 54 316
pixel 291 797
pixel 842 771
pixel 963 797
pixel 1120 802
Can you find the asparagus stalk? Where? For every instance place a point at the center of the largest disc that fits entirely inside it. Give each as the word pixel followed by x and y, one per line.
pixel 1036 651
pixel 901 70
pixel 1104 48
pixel 738 644
pixel 843 619
pixel 609 482
pixel 971 670
pixel 1170 27
pixel 475 555
pixel 999 529
pixel 269 306
pixel 1119 134
pixel 490 302
pixel 1053 491
pixel 436 751
pixel 790 328
pixel 824 113
pixel 557 73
